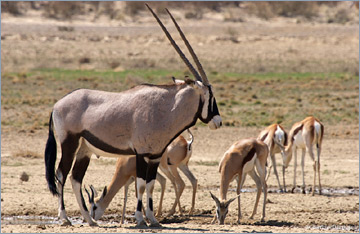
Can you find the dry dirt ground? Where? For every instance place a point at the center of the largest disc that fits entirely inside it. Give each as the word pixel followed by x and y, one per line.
pixel 258 46
pixel 335 211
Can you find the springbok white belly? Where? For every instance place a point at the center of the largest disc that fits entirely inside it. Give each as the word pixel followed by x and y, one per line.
pixel 249 165
pixel 299 140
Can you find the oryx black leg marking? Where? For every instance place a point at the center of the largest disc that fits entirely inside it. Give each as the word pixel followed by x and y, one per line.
pixel 141 169
pixel 68 150
pixel 150 176
pixel 78 173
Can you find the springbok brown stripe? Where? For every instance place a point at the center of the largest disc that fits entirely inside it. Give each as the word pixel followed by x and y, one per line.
pixel 296 131
pixel 249 156
pixel 264 137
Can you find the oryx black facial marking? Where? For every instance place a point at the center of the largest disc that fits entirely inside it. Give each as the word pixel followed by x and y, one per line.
pixel 212 107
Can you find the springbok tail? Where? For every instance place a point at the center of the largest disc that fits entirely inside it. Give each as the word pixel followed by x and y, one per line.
pixel 50 159
pixel 191 140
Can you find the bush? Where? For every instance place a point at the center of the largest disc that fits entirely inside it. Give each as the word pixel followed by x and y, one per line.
pixel 267 10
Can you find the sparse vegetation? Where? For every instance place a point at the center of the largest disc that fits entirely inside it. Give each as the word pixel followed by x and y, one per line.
pixel 272 98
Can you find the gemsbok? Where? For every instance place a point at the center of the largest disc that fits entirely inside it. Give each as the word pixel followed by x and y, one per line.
pixel 176 155
pixel 141 121
pixel 272 136
pixel 304 135
pixel 239 160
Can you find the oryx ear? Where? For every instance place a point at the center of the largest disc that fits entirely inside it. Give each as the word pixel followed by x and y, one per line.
pixel 176 81
pixel 215 199
pixel 189 81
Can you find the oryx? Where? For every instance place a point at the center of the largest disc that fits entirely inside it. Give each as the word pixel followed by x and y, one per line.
pixel 142 121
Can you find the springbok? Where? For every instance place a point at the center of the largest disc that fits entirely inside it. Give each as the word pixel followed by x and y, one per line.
pixel 272 136
pixel 304 135
pixel 125 174
pixel 239 160
pixel 141 121
pixel 176 155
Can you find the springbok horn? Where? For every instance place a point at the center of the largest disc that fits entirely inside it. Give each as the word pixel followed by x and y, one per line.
pixel 173 43
pixel 197 62
pixel 93 191
pixel 231 200
pixel 91 198
pixel 215 199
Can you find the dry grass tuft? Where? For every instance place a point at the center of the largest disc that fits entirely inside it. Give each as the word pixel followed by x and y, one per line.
pixel 27 154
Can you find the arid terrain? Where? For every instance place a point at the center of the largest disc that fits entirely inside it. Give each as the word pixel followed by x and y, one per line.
pixel 262 71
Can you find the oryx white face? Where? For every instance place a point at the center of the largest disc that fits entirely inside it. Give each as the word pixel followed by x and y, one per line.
pixel 210 112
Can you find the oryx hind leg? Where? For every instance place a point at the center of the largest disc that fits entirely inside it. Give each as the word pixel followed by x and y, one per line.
pixel 69 146
pixel 81 164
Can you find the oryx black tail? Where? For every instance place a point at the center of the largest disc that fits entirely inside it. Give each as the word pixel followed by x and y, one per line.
pixel 50 159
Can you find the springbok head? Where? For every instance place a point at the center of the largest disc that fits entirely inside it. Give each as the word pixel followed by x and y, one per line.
pixel 222 208
pixel 210 112
pixel 95 211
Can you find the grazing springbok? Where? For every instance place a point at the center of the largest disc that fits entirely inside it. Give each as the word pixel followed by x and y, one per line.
pixel 304 135
pixel 141 121
pixel 176 155
pixel 125 174
pixel 239 160
pixel 272 135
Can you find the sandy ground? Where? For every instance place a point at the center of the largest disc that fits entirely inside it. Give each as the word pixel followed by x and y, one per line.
pixel 332 212
pixel 257 46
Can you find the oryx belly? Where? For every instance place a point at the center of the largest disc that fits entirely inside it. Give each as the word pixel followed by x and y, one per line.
pixel 98 151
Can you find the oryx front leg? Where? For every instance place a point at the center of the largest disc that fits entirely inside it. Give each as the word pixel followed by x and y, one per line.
pixel 150 181
pixel 145 178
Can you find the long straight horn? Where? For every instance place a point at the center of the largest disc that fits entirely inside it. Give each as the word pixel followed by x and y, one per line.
pixel 193 55
pixel 173 43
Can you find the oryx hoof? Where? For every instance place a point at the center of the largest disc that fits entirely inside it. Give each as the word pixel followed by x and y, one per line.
pixel 304 191
pixel 65 222
pixel 262 220
pixel 292 190
pixel 282 191
pixel 191 212
pixel 142 224
pixel 93 224
pixel 155 225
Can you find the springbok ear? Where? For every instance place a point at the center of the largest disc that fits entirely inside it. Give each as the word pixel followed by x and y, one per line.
pixel 231 200
pixel 104 192
pixel 215 199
